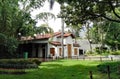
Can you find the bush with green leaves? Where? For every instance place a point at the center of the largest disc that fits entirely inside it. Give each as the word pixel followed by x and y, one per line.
pixel 19 64
pixel 115 52
pixel 113 67
pixel 8 46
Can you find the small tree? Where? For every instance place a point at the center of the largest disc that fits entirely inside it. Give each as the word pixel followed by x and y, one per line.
pixel 8 46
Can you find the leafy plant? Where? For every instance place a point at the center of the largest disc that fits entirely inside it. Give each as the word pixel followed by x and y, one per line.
pixel 113 67
pixel 115 53
pixel 19 64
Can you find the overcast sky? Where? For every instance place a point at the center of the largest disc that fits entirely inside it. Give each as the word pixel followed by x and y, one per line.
pixel 55 24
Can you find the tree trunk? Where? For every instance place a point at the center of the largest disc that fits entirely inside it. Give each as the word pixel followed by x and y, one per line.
pixel 116 47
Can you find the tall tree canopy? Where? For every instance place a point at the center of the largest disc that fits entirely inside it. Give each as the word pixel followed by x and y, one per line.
pixel 79 11
pixel 44 28
pixel 15 18
pixel 45 16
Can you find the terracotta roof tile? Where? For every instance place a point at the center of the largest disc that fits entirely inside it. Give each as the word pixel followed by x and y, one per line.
pixel 45 36
pixel 56 43
pixel 57 33
pixel 67 34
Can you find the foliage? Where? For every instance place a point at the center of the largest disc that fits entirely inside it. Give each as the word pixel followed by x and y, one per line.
pixel 19 64
pixel 115 52
pixel 29 5
pixel 11 45
pixel 44 28
pixel 36 61
pixel 15 17
pixel 113 67
pixel 80 11
pixel 75 30
pixel 96 33
pixel 45 16
pixel 75 12
pixel 2 39
pixel 90 53
pixel 8 46
pixel 106 33
pixel 113 36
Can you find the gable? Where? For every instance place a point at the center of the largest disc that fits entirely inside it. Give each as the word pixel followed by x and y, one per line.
pixel 66 35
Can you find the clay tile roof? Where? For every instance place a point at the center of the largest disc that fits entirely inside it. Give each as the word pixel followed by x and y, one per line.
pixel 44 36
pixel 56 43
pixel 57 33
pixel 39 36
pixel 67 34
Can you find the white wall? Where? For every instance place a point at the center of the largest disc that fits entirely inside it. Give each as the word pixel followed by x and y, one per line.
pixel 68 40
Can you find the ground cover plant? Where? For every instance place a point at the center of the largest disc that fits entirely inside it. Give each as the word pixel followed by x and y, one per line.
pixel 17 66
pixel 64 69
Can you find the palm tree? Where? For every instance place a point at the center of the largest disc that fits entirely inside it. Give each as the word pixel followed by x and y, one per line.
pixel 44 28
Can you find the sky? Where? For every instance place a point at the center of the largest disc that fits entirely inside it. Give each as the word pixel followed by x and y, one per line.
pixel 55 24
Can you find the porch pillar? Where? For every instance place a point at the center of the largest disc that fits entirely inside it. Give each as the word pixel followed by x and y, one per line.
pixel 33 50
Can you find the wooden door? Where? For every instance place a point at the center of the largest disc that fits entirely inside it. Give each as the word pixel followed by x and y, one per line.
pixel 52 51
pixel 75 51
pixel 69 50
pixel 60 51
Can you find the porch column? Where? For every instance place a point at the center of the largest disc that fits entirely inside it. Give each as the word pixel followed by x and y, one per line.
pixel 39 51
pixel 33 50
pixel 48 50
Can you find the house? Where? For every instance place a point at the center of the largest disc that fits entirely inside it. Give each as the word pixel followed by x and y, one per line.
pixel 85 46
pixel 49 45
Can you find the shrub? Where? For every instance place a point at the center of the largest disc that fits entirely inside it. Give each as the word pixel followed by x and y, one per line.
pixel 19 64
pixel 36 61
pixel 113 67
pixel 8 46
pixel 115 53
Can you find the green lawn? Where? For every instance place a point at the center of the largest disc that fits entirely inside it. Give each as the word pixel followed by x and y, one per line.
pixel 63 69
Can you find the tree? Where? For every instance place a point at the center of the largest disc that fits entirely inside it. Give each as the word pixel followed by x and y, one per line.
pixel 45 17
pixel 98 34
pixel 15 18
pixel 8 46
pixel 106 33
pixel 44 28
pixel 75 30
pixel 80 11
pixel 113 35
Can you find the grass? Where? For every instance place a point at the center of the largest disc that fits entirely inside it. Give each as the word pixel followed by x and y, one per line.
pixel 63 69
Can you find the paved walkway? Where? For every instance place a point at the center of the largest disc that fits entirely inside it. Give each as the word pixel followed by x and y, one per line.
pixel 100 58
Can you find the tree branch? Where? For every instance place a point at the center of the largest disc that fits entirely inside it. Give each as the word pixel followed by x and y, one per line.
pixel 101 15
pixel 110 19
pixel 113 9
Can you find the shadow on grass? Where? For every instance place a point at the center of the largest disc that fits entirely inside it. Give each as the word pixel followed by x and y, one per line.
pixel 61 71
